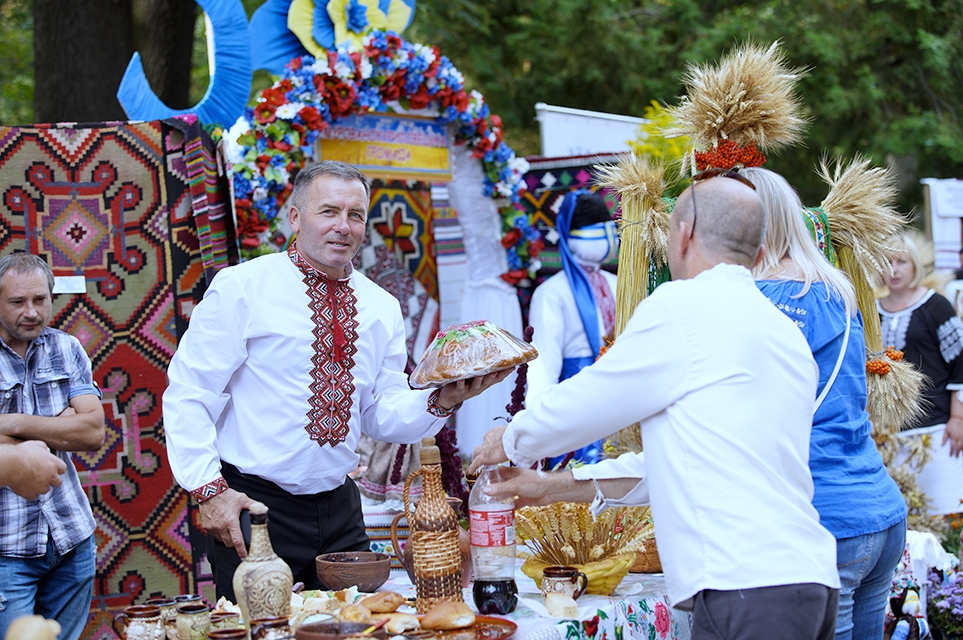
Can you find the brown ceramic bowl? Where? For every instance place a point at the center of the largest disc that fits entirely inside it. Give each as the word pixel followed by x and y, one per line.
pixel 330 630
pixel 365 569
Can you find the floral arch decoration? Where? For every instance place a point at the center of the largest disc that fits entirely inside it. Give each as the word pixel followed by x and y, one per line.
pixel 280 129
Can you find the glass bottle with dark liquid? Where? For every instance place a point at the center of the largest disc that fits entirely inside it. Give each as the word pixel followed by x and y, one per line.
pixel 492 529
pixel 495 596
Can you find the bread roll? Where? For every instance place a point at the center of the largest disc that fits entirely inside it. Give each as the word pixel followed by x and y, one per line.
pixel 354 613
pixel 398 622
pixel 383 602
pixel 447 616
pixel 561 605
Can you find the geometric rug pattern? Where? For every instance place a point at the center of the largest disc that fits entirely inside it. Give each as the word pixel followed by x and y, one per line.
pixel 401 213
pixel 134 209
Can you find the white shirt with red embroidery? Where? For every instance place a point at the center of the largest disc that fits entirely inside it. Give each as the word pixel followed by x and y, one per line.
pixel 261 380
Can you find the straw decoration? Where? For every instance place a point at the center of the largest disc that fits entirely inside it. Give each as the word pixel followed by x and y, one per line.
pixel 643 246
pixel 566 533
pixel 862 216
pixel 749 97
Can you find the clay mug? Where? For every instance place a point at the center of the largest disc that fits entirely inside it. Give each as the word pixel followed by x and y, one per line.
pixel 193 621
pixel 274 628
pixel 187 598
pixel 238 633
pixel 168 607
pixel 565 580
pixel 140 622
pixel 225 620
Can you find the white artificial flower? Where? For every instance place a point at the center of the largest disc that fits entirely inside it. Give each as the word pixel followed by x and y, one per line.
pixel 289 110
pixel 260 193
pixel 343 70
pixel 504 189
pixel 320 67
pixel 366 68
pixel 431 83
pixel 519 165
pixel 534 264
pixel 426 52
pixel 233 151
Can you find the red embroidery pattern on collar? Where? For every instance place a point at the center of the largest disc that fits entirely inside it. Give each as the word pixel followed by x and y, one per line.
pixel 334 312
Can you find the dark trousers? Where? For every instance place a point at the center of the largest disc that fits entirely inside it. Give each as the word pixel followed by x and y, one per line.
pixel 787 612
pixel 301 528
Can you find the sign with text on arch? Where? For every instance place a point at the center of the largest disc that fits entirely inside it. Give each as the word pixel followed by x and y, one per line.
pixel 391 146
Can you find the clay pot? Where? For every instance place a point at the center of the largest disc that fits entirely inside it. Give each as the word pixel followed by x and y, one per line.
pixel 407 561
pixel 365 569
pixel 335 631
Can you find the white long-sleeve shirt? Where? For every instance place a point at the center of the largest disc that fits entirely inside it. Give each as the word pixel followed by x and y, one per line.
pixel 723 384
pixel 240 381
pixel 559 333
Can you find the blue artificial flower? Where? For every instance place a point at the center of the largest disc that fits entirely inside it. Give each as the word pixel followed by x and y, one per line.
pixel 242 185
pixel 356 15
pixel 514 261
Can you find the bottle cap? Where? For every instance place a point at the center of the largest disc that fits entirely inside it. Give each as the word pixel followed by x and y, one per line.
pixel 430 454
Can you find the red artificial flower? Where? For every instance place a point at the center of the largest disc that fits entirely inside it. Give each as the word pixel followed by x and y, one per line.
pixel 536 248
pixel 338 95
pixel 280 145
pixel 510 238
pixel 482 145
pixel 274 96
pixel 514 277
pixel 496 120
pixel 262 161
pixel 481 126
pixel 356 58
pixel 295 64
pixel 264 113
pixel 312 118
pixel 420 99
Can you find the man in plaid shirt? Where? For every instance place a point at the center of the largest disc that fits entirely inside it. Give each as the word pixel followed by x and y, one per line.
pixel 47 394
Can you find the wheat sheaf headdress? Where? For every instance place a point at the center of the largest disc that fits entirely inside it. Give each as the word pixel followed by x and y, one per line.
pixel 745 104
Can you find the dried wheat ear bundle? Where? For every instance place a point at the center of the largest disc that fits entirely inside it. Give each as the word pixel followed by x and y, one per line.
pixel 567 533
pixel 749 97
pixel 643 247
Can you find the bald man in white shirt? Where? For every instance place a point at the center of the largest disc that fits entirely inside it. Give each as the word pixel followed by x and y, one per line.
pixel 723 385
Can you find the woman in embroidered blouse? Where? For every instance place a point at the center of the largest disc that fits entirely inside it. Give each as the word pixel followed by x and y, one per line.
pixel 856 499
pixel 924 326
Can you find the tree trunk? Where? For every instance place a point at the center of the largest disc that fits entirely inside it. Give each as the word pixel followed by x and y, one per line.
pixel 164 36
pixel 80 52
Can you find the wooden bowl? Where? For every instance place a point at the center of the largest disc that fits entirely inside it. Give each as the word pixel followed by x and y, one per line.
pixel 335 630
pixel 365 569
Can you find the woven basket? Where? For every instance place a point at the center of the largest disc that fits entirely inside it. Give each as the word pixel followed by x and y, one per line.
pixel 647 560
pixel 603 575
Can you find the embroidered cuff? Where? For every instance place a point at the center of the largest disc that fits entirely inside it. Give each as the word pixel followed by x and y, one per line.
pixel 209 490
pixel 436 409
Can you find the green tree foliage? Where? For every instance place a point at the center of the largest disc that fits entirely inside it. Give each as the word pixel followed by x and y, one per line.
pixel 886 77
pixel 16 62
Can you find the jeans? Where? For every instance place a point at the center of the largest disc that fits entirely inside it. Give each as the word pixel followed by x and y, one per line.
pixel 53 586
pixel 866 566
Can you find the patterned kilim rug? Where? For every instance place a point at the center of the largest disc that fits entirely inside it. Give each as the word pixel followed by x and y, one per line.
pixel 139 211
pixel 547 182
pixel 401 214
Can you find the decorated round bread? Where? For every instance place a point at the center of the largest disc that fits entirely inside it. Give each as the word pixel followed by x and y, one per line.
pixel 468 350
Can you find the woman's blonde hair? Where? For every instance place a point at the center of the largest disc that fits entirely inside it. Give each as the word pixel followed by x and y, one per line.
pixel 788 236
pixel 906 242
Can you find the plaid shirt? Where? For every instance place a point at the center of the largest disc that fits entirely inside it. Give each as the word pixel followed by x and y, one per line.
pixel 55 370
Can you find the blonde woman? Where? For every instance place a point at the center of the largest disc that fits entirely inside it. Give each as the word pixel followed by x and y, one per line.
pixel 855 497
pixel 924 326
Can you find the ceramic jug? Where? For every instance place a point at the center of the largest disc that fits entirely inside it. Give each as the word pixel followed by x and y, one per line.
pixel 263 581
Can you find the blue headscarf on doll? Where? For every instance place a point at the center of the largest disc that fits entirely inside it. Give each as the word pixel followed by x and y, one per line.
pixel 593 239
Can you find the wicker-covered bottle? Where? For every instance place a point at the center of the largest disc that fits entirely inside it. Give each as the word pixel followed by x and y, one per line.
pixel 433 538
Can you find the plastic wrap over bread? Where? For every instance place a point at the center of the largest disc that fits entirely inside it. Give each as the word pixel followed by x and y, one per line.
pixel 468 350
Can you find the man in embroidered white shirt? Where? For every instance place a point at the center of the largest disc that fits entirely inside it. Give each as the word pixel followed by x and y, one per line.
pixel 287 361
pixel 723 385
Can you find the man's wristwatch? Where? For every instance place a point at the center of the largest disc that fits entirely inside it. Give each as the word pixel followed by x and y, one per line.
pixel 436 409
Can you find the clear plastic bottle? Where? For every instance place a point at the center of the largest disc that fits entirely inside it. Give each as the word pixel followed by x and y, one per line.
pixel 492 531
